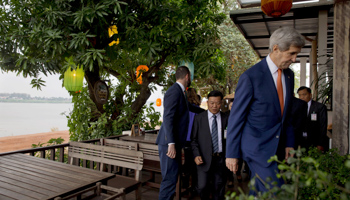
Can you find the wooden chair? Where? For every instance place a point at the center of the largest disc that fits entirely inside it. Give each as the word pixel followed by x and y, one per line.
pixel 106 155
pixel 118 144
pixel 151 162
pixel 98 191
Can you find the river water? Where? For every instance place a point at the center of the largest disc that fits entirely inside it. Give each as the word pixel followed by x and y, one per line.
pixel 29 118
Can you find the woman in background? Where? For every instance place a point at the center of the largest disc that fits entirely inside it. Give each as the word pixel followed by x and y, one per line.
pixel 189 169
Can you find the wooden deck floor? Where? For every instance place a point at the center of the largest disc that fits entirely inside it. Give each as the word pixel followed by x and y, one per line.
pixel 149 193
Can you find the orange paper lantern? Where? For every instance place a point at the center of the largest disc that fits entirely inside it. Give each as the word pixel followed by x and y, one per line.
pixel 159 102
pixel 139 70
pixel 276 8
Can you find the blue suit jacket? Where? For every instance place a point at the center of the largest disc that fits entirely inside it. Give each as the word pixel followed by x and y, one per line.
pixel 175 118
pixel 255 124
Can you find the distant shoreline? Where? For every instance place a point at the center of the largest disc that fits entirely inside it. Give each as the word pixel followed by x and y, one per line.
pixel 34 101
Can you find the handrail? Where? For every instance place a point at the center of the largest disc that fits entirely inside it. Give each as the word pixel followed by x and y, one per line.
pixel 55 148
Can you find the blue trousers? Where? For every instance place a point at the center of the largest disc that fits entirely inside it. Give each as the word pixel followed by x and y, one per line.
pixel 170 170
pixel 263 172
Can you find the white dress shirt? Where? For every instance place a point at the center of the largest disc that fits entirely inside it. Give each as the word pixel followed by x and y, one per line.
pixel 308 106
pixel 274 72
pixel 218 121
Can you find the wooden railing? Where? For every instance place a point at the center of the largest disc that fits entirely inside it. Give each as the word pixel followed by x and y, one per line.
pixel 49 152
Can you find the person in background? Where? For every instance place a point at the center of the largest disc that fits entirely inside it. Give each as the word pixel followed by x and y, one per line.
pixel 208 146
pixel 261 106
pixel 189 169
pixel 298 118
pixel 173 132
pixel 315 130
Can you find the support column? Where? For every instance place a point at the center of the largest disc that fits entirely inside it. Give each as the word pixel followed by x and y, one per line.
pixel 322 48
pixel 303 71
pixel 341 80
pixel 310 68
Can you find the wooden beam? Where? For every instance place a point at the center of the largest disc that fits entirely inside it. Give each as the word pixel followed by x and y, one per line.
pixel 341 72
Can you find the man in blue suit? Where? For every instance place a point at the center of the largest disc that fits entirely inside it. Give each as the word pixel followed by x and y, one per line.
pixel 259 129
pixel 173 132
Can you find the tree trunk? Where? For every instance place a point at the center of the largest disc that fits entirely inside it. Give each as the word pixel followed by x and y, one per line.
pixel 92 77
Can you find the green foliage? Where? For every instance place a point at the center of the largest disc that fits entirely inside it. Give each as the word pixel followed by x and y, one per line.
pixel 36 36
pixel 82 127
pixel 311 175
pixel 51 142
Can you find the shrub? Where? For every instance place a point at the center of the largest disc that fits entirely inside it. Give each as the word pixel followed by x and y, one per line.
pixel 309 175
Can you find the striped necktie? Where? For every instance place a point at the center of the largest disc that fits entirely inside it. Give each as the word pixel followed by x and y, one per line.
pixel 214 135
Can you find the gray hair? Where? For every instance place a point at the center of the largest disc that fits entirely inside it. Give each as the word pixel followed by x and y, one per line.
pixel 286 37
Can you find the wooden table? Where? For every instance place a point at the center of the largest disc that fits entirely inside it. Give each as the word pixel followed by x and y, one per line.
pixel 28 177
pixel 147 138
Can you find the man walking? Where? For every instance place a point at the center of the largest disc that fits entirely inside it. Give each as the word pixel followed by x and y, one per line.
pixel 208 146
pixel 258 128
pixel 173 132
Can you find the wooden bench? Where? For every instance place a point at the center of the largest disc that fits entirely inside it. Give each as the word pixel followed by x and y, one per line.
pixel 151 160
pixel 118 144
pixel 106 155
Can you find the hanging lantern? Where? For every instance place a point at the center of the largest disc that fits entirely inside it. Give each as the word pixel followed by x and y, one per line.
pixel 111 31
pixel 276 8
pixel 139 70
pixel 73 79
pixel 158 102
pixel 190 66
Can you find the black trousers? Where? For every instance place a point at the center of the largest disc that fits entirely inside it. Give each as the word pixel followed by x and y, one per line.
pixel 213 180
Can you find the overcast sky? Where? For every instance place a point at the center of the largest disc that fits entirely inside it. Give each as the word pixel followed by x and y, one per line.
pixel 10 83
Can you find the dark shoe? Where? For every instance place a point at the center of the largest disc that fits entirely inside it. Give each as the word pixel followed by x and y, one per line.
pixel 229 184
pixel 239 179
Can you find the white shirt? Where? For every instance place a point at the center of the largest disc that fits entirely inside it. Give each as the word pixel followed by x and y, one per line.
pixel 182 87
pixel 308 106
pixel 218 120
pixel 274 72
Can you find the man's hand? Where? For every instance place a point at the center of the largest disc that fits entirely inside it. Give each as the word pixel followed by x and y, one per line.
pixel 320 148
pixel 171 151
pixel 198 160
pixel 288 149
pixel 232 164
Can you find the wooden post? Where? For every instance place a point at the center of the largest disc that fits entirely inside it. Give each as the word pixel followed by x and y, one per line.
pixel 314 70
pixel 341 72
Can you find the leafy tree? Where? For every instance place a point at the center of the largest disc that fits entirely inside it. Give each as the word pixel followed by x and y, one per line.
pixel 37 36
pixel 234 57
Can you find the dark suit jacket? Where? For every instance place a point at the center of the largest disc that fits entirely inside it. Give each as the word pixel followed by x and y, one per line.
pixel 202 141
pixel 317 130
pixel 175 117
pixel 298 119
pixel 255 126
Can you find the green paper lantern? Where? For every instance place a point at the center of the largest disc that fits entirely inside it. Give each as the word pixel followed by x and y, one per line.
pixel 190 66
pixel 73 79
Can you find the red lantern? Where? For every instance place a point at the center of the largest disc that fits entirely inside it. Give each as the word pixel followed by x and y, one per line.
pixel 159 102
pixel 276 8
pixel 139 70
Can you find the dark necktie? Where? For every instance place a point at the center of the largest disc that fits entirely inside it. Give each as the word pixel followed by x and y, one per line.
pixel 214 135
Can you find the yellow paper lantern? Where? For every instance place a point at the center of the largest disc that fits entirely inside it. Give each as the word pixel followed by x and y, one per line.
pixel 139 70
pixel 158 102
pixel 111 31
pixel 73 79
pixel 276 8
